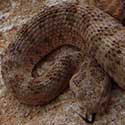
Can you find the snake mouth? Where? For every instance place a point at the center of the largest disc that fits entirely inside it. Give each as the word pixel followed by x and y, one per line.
pixel 88 118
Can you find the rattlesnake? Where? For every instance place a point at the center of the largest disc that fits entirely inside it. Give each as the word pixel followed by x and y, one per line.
pixel 100 39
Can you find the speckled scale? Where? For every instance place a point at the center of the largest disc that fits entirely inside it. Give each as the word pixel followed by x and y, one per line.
pixel 115 8
pixel 87 28
pixel 92 87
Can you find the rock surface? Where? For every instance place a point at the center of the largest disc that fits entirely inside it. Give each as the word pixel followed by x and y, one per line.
pixel 61 111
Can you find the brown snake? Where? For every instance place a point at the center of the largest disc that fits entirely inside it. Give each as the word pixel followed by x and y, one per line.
pixel 101 39
pixel 115 8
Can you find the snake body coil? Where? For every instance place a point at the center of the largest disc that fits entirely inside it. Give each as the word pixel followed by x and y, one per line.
pixel 87 28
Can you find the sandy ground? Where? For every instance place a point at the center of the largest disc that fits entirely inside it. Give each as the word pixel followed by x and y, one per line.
pixel 61 111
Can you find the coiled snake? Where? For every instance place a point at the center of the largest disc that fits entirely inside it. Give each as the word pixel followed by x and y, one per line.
pixel 100 39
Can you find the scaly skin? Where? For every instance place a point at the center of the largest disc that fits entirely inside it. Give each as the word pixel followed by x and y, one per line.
pixel 92 89
pixel 115 8
pixel 87 28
